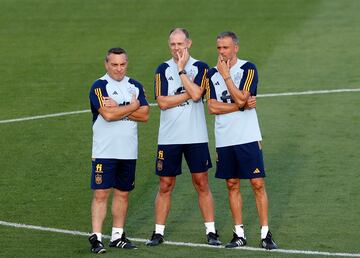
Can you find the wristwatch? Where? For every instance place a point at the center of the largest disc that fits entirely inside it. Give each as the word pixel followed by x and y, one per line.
pixel 182 72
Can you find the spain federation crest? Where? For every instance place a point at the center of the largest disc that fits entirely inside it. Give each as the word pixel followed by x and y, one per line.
pixel 159 165
pixel 98 179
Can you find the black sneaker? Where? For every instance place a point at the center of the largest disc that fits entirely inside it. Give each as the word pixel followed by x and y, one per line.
pixel 96 246
pixel 236 242
pixel 122 242
pixel 268 243
pixel 213 238
pixel 156 239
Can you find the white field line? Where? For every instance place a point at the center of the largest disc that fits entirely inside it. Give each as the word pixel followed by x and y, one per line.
pixel 43 116
pixel 79 233
pixel 311 92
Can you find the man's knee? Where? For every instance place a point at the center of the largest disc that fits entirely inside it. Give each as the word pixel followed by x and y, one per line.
pixel 258 184
pixel 101 195
pixel 120 195
pixel 166 185
pixel 200 181
pixel 233 185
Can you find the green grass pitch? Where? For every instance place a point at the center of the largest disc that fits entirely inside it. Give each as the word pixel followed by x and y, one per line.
pixel 52 51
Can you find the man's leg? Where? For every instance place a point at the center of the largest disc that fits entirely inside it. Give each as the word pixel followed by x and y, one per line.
pixel 262 205
pixel 163 199
pixel 235 200
pixel 119 208
pixel 206 205
pixel 258 186
pixel 162 208
pixel 98 214
pixel 205 199
pixel 98 209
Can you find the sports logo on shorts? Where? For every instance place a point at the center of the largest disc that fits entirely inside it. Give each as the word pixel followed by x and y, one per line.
pixel 256 171
pixel 159 165
pixel 161 154
pixel 160 158
pixel 98 168
pixel 98 179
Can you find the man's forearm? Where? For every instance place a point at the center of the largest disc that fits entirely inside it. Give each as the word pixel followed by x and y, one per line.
pixel 217 108
pixel 166 102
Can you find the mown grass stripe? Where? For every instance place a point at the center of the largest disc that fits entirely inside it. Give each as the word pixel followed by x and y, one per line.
pixel 79 233
pixel 311 92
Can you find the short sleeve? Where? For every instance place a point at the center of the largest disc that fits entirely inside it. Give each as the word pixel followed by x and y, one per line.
pixel 250 78
pixel 97 92
pixel 160 81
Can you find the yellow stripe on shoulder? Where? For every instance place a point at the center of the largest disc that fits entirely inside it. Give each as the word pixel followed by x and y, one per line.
pixel 203 80
pixel 207 89
pixel 157 84
pixel 98 93
pixel 249 79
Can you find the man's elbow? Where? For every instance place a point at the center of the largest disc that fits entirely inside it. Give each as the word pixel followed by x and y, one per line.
pixel 107 117
pixel 211 112
pixel 211 109
pixel 240 103
pixel 145 118
pixel 196 97
pixel 162 105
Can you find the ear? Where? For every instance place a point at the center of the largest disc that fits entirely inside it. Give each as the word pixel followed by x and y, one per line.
pixel 189 43
pixel 237 48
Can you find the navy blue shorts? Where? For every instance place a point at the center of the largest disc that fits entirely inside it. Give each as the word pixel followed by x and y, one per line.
pixel 244 161
pixel 113 173
pixel 169 158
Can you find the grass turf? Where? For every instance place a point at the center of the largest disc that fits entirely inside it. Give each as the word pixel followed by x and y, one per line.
pixel 53 51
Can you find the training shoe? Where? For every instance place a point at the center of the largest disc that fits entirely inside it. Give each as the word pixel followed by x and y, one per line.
pixel 122 242
pixel 268 243
pixel 96 246
pixel 236 242
pixel 213 238
pixel 156 239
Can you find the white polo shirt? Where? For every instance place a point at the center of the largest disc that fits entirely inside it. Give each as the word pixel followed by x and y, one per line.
pixel 115 139
pixel 186 122
pixel 238 127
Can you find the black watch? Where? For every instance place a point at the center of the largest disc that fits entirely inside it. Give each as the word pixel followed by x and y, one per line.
pixel 182 72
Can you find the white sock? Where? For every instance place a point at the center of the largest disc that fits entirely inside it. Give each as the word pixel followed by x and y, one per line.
pixel 264 231
pixel 98 235
pixel 116 233
pixel 159 229
pixel 210 227
pixel 239 230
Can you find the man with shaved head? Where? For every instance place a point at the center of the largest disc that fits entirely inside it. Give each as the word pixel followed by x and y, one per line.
pixel 179 88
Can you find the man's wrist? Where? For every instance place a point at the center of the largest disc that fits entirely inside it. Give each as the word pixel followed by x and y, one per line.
pixel 182 72
pixel 227 78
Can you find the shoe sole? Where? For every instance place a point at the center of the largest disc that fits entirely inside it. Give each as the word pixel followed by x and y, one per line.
pixel 102 251
pixel 152 244
pixel 127 248
pixel 269 248
pixel 237 246
pixel 215 244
